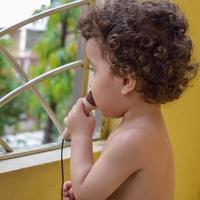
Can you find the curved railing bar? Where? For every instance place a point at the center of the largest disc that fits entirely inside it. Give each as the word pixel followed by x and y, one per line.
pixel 6 147
pixel 24 76
pixel 43 14
pixel 8 97
pixel 14 64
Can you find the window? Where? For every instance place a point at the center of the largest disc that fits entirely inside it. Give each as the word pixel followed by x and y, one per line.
pixel 49 76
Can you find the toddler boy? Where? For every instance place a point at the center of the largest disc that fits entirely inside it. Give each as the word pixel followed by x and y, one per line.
pixel 140 55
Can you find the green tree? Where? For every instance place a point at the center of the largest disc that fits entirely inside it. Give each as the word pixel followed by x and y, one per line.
pixel 11 112
pixel 57 46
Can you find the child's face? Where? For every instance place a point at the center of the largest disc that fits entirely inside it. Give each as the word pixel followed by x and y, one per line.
pixel 104 85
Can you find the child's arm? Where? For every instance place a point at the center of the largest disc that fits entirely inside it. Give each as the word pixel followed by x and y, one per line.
pixel 118 161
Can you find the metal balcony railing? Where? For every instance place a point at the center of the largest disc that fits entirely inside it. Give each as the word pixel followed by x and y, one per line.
pixel 31 84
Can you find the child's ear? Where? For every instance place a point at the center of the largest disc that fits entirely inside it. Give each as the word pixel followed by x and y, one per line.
pixel 128 85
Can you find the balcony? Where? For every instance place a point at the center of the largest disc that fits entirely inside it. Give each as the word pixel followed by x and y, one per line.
pixel 34 172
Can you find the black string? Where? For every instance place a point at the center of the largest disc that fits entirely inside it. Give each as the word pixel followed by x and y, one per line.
pixel 62 169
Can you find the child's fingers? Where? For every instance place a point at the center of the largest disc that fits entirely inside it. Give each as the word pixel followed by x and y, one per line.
pixel 67 191
pixel 71 194
pixel 67 185
pixel 66 198
pixel 66 194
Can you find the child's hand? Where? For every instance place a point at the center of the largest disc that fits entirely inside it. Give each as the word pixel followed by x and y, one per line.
pixel 67 191
pixel 78 123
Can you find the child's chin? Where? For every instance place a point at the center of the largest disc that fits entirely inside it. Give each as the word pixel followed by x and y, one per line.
pixel 110 115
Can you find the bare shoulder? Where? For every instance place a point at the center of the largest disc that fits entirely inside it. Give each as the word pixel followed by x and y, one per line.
pixel 135 143
pixel 132 139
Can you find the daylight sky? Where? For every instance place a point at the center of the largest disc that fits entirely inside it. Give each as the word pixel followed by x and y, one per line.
pixel 12 11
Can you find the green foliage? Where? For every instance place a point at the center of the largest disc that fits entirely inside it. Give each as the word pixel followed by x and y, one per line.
pixel 52 51
pixel 11 112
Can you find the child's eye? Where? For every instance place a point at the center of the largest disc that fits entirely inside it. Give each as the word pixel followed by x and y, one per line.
pixel 91 69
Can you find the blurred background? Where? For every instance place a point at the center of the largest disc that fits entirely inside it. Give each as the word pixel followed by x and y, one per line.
pixel 38 47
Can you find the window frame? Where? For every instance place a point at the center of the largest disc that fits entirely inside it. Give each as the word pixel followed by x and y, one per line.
pixel 81 76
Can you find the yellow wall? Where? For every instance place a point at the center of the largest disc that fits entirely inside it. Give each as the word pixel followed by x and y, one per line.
pixel 37 183
pixel 183 120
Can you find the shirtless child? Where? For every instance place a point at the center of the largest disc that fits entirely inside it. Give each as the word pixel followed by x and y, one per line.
pixel 140 56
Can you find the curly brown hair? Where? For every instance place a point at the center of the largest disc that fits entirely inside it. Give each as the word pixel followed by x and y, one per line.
pixel 147 39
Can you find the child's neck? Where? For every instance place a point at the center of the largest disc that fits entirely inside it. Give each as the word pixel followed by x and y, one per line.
pixel 140 109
